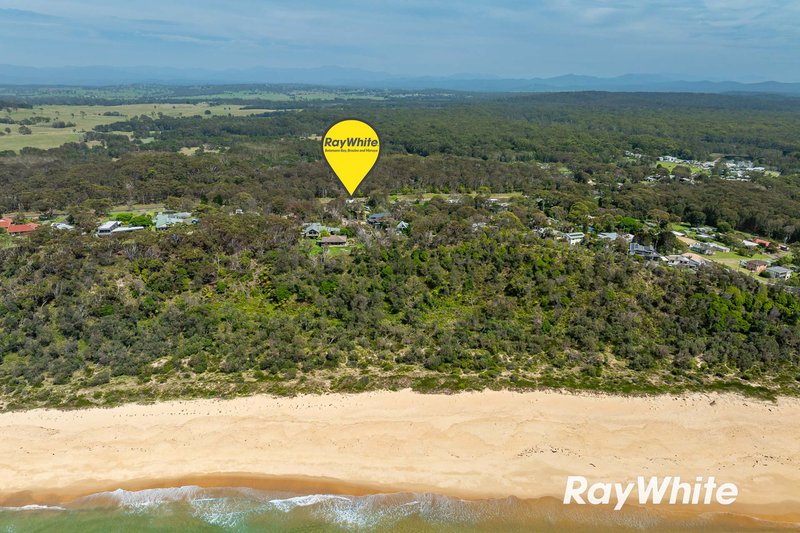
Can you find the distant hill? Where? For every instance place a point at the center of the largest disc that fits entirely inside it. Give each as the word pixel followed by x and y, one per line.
pixel 348 77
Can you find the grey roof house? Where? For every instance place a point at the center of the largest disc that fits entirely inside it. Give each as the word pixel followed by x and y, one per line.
pixel 648 253
pixel 377 218
pixel 778 272
pixel 315 229
pixel 167 220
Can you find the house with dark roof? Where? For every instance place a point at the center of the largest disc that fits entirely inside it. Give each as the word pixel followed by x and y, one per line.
pixel 315 229
pixel 377 218
pixel 648 253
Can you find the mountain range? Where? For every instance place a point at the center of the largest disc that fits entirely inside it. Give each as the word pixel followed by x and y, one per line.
pixel 349 77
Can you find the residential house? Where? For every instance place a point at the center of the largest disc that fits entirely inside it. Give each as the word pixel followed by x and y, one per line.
pixel 778 272
pixel 126 229
pixel 699 259
pixel 719 248
pixel 648 253
pixel 315 229
pixel 685 260
pixel 17 229
pixel 762 242
pixel 333 240
pixel 613 236
pixel 401 226
pixel 755 265
pixel 574 237
pixel 114 227
pixel 709 248
pixel 107 227
pixel 166 220
pixel 377 218
pixel 749 244
pixel 63 226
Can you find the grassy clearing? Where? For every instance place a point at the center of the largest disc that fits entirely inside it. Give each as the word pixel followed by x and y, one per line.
pixel 311 247
pixel 86 117
pixel 732 260
pixel 671 166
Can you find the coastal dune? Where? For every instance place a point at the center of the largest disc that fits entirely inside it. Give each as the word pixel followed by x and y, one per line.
pixel 473 445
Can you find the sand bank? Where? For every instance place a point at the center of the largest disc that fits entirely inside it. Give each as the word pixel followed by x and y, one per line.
pixel 476 445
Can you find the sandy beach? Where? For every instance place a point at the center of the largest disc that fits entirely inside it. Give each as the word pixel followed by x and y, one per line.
pixel 474 445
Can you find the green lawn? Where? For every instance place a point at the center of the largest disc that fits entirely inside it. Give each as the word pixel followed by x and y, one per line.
pixel 671 166
pixel 732 260
pixel 312 248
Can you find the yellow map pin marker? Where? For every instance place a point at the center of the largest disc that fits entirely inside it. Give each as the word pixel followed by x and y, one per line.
pixel 351 148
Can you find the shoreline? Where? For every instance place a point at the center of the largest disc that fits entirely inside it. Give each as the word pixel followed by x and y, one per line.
pixel 70 497
pixel 484 445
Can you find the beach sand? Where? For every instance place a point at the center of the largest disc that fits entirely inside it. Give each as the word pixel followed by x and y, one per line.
pixel 472 445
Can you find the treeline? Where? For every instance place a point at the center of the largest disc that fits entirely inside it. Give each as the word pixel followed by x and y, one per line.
pixel 8 105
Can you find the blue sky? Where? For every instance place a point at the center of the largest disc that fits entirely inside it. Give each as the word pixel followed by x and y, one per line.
pixel 743 40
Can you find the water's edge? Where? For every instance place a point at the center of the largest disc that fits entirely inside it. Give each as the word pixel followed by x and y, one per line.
pixel 272 506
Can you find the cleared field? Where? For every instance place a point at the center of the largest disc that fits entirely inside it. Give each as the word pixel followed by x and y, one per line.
pixel 671 166
pixel 732 259
pixel 86 117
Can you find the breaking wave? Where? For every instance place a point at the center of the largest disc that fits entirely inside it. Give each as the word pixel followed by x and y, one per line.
pixel 193 508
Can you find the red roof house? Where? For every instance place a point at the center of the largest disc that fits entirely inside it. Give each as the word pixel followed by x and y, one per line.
pixel 15 229
pixel 5 222
pixel 762 242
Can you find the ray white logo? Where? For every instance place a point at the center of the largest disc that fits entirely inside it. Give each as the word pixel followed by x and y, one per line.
pixel 653 490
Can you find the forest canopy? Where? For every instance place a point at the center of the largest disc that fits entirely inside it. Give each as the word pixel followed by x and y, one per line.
pixel 469 293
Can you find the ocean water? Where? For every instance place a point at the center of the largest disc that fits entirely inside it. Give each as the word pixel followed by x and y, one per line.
pixel 196 509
